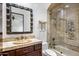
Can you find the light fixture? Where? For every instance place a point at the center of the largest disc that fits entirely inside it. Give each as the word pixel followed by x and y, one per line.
pixel 66 6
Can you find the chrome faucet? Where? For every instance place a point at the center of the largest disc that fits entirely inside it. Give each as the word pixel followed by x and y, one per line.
pixel 53 39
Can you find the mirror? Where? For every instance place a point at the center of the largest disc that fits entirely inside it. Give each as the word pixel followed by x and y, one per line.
pixel 19 19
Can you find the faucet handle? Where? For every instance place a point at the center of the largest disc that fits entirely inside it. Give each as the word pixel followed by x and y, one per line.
pixel 25 37
pixel 22 37
pixel 53 39
pixel 17 38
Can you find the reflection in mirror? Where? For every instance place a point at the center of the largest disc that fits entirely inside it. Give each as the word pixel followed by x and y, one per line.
pixel 17 22
pixel 27 21
pixel 19 19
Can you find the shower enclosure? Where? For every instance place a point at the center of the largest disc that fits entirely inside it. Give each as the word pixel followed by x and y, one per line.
pixel 63 26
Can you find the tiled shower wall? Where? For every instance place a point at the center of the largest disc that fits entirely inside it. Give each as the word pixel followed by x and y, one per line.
pixel 64 26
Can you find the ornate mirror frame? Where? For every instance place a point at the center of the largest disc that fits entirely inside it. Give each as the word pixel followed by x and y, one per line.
pixel 8 18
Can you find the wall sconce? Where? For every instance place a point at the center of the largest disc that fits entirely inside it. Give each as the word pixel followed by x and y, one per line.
pixel 42 25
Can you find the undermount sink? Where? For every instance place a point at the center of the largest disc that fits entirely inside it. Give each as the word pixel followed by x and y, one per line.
pixel 22 41
pixel 7 44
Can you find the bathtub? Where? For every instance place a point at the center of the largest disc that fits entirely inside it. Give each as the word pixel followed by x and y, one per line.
pixel 63 51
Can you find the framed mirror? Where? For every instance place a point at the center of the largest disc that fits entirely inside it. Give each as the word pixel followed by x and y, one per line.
pixel 19 19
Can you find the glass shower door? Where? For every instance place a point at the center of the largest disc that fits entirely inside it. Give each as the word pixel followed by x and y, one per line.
pixel 64 26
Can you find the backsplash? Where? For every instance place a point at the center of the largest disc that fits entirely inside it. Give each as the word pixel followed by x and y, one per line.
pixel 30 36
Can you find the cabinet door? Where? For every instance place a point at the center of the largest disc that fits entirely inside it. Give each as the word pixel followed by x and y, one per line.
pixel 38 46
pixel 34 53
pixel 19 52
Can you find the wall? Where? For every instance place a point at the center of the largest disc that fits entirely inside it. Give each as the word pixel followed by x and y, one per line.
pixel 0 22
pixel 0 17
pixel 39 13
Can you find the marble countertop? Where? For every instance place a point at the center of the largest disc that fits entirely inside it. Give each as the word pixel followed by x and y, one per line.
pixel 5 46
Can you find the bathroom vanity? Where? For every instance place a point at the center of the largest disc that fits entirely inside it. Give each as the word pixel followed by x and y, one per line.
pixel 33 48
pixel 19 20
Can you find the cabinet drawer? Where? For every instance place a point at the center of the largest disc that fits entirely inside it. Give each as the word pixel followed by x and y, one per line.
pixel 8 53
pixel 5 54
pixel 38 46
pixel 28 49
pixel 24 50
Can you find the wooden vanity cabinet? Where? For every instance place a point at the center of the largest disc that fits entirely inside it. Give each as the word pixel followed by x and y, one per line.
pixel 33 50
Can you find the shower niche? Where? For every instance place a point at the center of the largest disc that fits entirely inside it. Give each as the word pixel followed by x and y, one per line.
pixel 63 24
